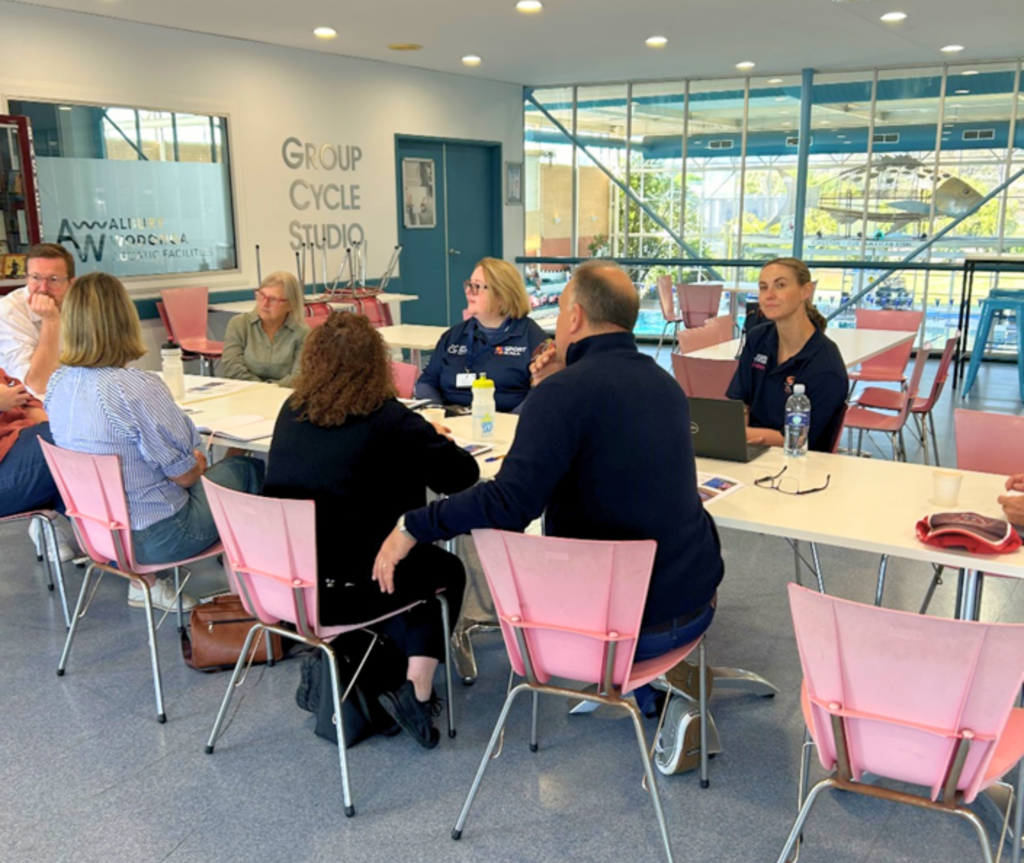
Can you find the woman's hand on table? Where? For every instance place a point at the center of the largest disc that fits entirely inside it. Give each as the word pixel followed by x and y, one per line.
pixel 394 550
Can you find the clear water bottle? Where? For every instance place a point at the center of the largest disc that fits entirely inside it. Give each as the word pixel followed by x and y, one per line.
pixel 483 409
pixel 173 369
pixel 798 422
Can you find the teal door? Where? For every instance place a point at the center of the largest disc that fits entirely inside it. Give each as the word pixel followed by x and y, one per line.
pixel 449 216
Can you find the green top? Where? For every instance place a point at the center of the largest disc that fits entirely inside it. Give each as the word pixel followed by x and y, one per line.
pixel 249 355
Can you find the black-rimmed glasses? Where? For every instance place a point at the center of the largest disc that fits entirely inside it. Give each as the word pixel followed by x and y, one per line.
pixel 473 288
pixel 789 484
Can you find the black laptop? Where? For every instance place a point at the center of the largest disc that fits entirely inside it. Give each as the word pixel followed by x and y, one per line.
pixel 719 431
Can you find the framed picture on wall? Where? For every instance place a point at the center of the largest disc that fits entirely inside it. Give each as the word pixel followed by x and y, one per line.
pixel 418 193
pixel 513 182
pixel 13 267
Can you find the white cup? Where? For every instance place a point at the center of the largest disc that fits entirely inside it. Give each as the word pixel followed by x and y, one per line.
pixel 947 487
pixel 433 415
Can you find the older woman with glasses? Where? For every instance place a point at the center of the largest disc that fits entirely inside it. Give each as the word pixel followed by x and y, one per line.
pixel 497 339
pixel 265 344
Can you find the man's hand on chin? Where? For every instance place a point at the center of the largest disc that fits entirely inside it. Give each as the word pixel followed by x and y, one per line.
pixel 395 549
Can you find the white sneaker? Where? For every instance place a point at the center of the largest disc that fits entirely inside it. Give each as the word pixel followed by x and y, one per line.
pixel 35 531
pixel 161 594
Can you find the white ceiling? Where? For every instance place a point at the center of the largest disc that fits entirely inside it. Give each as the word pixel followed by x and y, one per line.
pixel 588 41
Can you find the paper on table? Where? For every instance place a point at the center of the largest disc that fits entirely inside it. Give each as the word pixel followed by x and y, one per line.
pixel 210 388
pixel 243 427
pixel 711 486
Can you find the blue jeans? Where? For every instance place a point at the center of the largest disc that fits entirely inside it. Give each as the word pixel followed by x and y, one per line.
pixel 25 480
pixel 191 529
pixel 650 645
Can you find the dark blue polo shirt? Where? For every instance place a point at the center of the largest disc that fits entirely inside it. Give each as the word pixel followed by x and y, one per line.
pixel 764 385
pixel 502 354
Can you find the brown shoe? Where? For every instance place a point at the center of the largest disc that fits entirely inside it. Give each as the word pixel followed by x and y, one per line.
pixel 684 679
pixel 677 749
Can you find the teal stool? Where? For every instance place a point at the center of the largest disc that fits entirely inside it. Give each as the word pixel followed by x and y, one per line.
pixel 1001 299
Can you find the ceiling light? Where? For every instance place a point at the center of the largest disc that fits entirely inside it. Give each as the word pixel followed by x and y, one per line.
pixel 961 92
pixel 970 72
pixel 471 60
pixel 780 98
pixel 952 49
pixel 63 107
pixel 890 17
pixel 325 32
pixel 824 123
pixel 529 6
pixel 404 46
pixel 774 80
pixel 745 64
pixel 840 136
pixel 657 42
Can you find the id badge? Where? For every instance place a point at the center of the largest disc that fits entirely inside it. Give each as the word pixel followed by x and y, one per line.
pixel 465 380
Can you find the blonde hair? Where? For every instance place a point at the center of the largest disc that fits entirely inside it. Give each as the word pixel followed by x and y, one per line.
pixel 99 326
pixel 505 285
pixel 803 277
pixel 292 293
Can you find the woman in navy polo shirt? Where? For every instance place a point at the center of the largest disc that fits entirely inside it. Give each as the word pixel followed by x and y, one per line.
pixel 791 348
pixel 497 340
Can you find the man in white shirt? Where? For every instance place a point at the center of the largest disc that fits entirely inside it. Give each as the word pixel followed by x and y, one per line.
pixel 30 317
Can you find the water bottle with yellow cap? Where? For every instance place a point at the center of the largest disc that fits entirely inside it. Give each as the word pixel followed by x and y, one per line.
pixel 483 409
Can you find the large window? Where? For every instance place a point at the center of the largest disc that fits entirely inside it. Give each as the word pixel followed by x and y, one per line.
pixel 134 192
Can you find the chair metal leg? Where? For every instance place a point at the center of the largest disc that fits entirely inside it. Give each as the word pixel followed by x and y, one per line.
pixel 746 681
pixel 935 443
pixel 805 810
pixel 339 725
pixel 80 607
pixel 1018 815
pixel 796 562
pixel 634 714
pixel 882 565
pixel 979 829
pixel 705 782
pixel 498 728
pixel 664 332
pixel 935 582
pixel 817 567
pixel 154 657
pixel 232 683
pixel 801 791
pixel 55 567
pixel 860 442
pixel 446 628
pixel 533 722
pixel 181 611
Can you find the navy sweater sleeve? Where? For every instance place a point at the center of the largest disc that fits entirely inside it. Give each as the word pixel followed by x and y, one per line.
pixel 428 385
pixel 827 391
pixel 447 467
pixel 545 444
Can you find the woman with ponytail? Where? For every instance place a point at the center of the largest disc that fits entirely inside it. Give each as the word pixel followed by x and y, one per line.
pixel 790 348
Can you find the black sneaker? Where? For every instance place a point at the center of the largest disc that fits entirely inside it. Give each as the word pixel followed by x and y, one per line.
pixel 412 715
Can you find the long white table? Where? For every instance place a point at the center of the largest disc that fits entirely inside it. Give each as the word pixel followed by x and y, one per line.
pixel 416 337
pixel 237 307
pixel 855 345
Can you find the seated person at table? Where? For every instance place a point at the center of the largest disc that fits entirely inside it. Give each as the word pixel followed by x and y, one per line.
pixel 344 441
pixel 604 449
pixel 98 406
pixel 265 344
pixel 1013 504
pixel 497 340
pixel 30 317
pixel 791 348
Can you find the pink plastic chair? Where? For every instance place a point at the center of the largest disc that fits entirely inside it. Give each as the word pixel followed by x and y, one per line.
pixel 572 609
pixel 698 303
pixel 670 312
pixel 722 326
pixel 187 312
pixel 920 700
pixel 891 365
pixel 863 419
pixel 54 568
pixel 317 314
pixel 699 338
pixel 270 551
pixel 93 491
pixel 988 442
pixel 405 375
pixel 161 310
pixel 378 312
pixel 704 379
pixel 922 406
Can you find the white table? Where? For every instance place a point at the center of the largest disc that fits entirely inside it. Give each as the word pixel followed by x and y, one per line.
pixel 256 399
pixel 237 307
pixel 855 345
pixel 504 434
pixel 416 337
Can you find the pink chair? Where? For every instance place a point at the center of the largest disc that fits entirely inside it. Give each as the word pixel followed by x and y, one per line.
pixel 699 338
pixel 705 379
pixel 378 312
pixel 187 312
pixel 572 609
pixel 921 408
pixel 670 312
pixel 54 568
pixel 919 700
pixel 698 303
pixel 317 314
pixel 405 375
pixel 864 419
pixel 93 491
pixel 270 551
pixel 161 310
pixel 890 366
pixel 722 326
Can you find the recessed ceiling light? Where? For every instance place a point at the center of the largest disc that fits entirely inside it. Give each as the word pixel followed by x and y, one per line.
pixel 961 92
pixel 952 49
pixel 774 80
pixel 970 72
pixel 840 136
pixel 780 98
pixel 471 60
pixel 404 46
pixel 325 32
pixel 745 64
pixel 529 6
pixel 826 122
pixel 63 107
pixel 657 42
pixel 894 16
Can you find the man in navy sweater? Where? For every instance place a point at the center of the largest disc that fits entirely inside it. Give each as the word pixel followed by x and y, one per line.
pixel 604 447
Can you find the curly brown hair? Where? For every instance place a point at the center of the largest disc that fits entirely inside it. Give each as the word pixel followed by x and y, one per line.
pixel 346 371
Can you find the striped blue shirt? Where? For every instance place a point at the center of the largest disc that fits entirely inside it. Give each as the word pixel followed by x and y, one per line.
pixel 129 413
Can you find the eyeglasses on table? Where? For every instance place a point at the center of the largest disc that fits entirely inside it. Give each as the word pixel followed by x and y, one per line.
pixel 788 484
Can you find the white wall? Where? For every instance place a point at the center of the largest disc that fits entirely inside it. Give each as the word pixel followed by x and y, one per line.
pixel 268 94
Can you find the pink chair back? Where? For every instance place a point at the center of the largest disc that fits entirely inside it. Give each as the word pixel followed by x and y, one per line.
pixel 891 364
pixel 941 375
pixel 989 443
pixel 375 310
pixel 703 379
pixel 699 302
pixel 93 491
pixel 405 375
pixel 161 310
pixel 270 549
pixel 570 599
pixel 698 338
pixel 316 314
pixel 920 361
pixel 187 311
pixel 907 687
pixel 666 297
pixel 722 326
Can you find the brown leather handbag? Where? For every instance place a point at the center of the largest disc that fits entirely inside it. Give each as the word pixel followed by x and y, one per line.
pixel 218 632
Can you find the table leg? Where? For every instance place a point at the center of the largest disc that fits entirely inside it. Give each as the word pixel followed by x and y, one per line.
pixel 416 356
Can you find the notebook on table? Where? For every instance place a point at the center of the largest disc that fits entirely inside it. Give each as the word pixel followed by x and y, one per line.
pixel 720 431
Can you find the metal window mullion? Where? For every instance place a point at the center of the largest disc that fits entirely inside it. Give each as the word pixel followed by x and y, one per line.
pixel 629 158
pixel 935 186
pixel 574 233
pixel 867 175
pixel 174 137
pixel 1011 140
pixel 682 179
pixel 734 295
pixel 802 160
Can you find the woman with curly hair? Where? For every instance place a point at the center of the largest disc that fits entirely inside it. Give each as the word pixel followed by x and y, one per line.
pixel 344 441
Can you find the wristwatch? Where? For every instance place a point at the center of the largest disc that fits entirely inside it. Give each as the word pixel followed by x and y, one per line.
pixel 402 529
